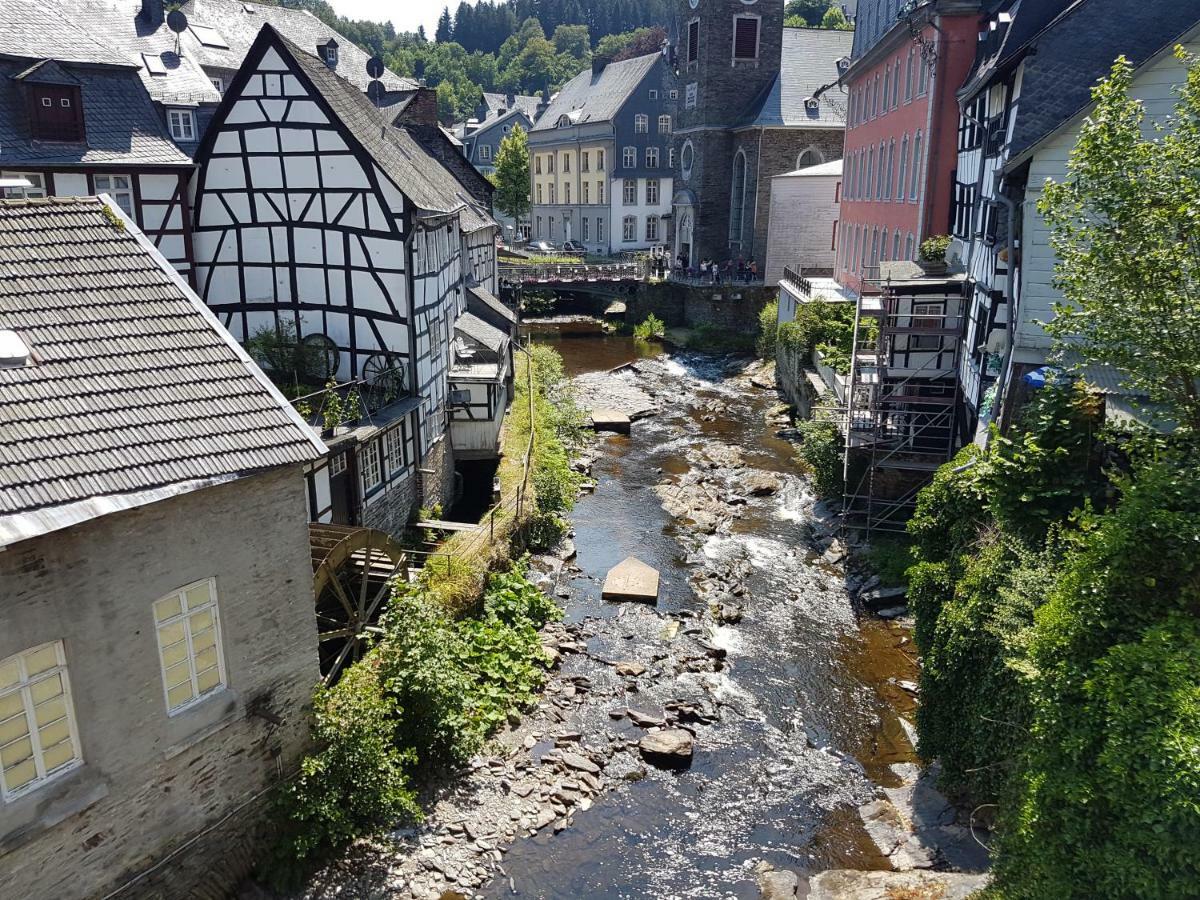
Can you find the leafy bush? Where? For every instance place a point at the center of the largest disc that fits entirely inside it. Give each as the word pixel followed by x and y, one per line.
pixel 287 359
pixel 710 339
pixel 651 329
pixel 768 329
pixel 889 556
pixel 820 453
pixel 357 780
pixel 819 321
pixel 1109 793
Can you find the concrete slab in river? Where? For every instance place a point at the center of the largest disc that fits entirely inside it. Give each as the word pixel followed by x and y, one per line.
pixel 611 420
pixel 631 579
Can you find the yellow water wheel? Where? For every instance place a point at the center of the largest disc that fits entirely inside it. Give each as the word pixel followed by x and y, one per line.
pixel 353 570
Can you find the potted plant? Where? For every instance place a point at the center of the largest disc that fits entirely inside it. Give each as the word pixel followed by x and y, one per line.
pixel 932 255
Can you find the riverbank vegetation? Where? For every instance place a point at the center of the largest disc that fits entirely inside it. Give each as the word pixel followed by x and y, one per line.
pixel 652 328
pixel 458 652
pixel 1056 582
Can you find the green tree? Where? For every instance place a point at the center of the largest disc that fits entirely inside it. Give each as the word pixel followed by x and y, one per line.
pixel 445 27
pixel 1125 225
pixel 795 22
pixel 808 10
pixel 512 175
pixel 836 20
pixel 573 40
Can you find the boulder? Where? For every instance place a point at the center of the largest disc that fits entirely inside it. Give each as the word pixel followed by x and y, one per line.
pixel 669 748
pixel 761 484
pixel 846 884
pixel 778 884
pixel 632 669
pixel 631 579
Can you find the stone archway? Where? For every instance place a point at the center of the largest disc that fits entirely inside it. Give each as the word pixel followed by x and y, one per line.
pixel 685 235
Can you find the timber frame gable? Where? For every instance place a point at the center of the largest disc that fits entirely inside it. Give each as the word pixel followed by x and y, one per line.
pixel 297 223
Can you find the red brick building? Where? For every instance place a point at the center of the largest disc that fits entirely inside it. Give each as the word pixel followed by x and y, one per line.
pixel 908 60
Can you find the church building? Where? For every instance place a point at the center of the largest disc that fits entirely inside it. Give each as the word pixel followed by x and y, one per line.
pixel 755 100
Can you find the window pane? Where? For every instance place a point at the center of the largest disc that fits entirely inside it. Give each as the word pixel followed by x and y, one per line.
pixel 167 608
pixel 13 728
pixel 16 752
pixel 174 654
pixel 180 695
pixel 198 596
pixel 10 705
pixel 19 776
pixel 208 680
pixel 54 733
pixel 41 660
pixel 170 634
pixel 58 755
pixel 46 688
pixel 206 659
pixel 201 621
pixel 177 675
pixel 50 711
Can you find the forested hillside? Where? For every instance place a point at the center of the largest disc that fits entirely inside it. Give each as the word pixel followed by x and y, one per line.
pixel 523 46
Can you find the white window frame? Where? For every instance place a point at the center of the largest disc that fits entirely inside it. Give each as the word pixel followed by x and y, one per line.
pixel 485 152
pixel 757 20
pixel 653 192
pixel 673 94
pixel 599 160
pixel 36 189
pixel 664 124
pixel 586 188
pixel 653 94
pixel 629 192
pixel 337 464
pixel 109 184
pixel 652 158
pixel 599 229
pixel 629 157
pixel 23 687
pixel 641 124
pixel 394 456
pixel 184 617
pixel 629 229
pixel 219 84
pixel 369 460
pixel 182 124
pixel 652 228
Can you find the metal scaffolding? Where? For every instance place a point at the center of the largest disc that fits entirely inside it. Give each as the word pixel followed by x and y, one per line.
pixel 901 402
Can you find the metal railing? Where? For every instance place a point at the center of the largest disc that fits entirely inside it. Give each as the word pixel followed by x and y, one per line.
pixel 571 272
pixel 793 277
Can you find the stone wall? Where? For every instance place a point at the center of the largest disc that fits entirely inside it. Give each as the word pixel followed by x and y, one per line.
pixel 682 305
pixel 777 153
pixel 439 483
pixel 150 782
pixel 394 506
pixel 796 379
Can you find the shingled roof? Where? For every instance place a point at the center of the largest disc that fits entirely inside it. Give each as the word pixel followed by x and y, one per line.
pixel 808 63
pixel 597 98
pixel 134 392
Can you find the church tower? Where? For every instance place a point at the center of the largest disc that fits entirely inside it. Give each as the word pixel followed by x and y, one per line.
pixel 726 59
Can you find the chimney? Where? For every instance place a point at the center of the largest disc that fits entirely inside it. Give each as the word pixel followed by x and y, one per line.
pixel 153 11
pixel 543 104
pixel 421 109
pixel 599 64
pixel 510 99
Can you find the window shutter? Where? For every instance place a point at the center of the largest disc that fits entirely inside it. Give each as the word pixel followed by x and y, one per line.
pixel 745 39
pixel 693 41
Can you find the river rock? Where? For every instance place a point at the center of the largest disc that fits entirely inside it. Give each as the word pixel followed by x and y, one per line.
pixel 631 579
pixel 580 763
pixel 632 669
pixel 846 884
pixel 880 597
pixel 645 719
pixel 722 456
pixel 892 612
pixel 672 747
pixel 761 484
pixel 778 884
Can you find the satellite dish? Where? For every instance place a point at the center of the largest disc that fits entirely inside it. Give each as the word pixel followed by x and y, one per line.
pixel 177 21
pixel 375 67
pixel 375 91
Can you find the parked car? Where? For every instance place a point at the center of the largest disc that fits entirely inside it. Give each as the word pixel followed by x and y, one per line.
pixel 539 247
pixel 574 247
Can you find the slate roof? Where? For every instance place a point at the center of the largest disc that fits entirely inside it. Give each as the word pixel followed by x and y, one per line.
pixel 809 63
pixel 486 305
pixel 120 121
pixel 239 27
pixel 481 332
pixel 497 104
pixel 826 169
pixel 591 98
pixel 1078 48
pixel 44 29
pixel 135 390
pixel 422 178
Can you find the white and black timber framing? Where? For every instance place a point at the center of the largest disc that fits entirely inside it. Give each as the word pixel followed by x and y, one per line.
pixel 310 210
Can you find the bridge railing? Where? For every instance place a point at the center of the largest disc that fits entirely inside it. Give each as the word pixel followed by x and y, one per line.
pixel 572 272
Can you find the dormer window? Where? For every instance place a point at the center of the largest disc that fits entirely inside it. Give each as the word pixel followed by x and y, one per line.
pixel 564 121
pixel 182 123
pixel 56 113
pixel 329 53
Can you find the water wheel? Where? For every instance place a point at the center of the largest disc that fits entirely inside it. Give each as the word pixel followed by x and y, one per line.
pixel 353 570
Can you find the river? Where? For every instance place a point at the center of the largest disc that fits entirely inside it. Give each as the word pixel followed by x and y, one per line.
pixel 799 704
pixel 812 718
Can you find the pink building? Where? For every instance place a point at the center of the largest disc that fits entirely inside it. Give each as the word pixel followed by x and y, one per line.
pixel 909 59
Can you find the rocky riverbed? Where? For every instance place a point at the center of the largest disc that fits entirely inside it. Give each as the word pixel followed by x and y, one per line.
pixel 749 731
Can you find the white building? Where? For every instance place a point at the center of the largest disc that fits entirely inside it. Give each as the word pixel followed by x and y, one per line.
pixel 802 231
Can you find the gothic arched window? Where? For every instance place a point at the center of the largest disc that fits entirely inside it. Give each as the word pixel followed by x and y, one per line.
pixel 737 199
pixel 809 157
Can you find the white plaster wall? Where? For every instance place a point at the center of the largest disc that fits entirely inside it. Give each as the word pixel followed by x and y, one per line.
pixel 800 233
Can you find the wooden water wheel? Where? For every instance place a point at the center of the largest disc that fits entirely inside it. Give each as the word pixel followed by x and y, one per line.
pixel 353 570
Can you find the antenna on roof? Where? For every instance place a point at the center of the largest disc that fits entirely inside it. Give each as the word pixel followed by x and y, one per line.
pixel 375 70
pixel 178 23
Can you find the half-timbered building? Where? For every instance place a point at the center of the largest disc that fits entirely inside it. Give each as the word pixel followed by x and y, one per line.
pixel 316 216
